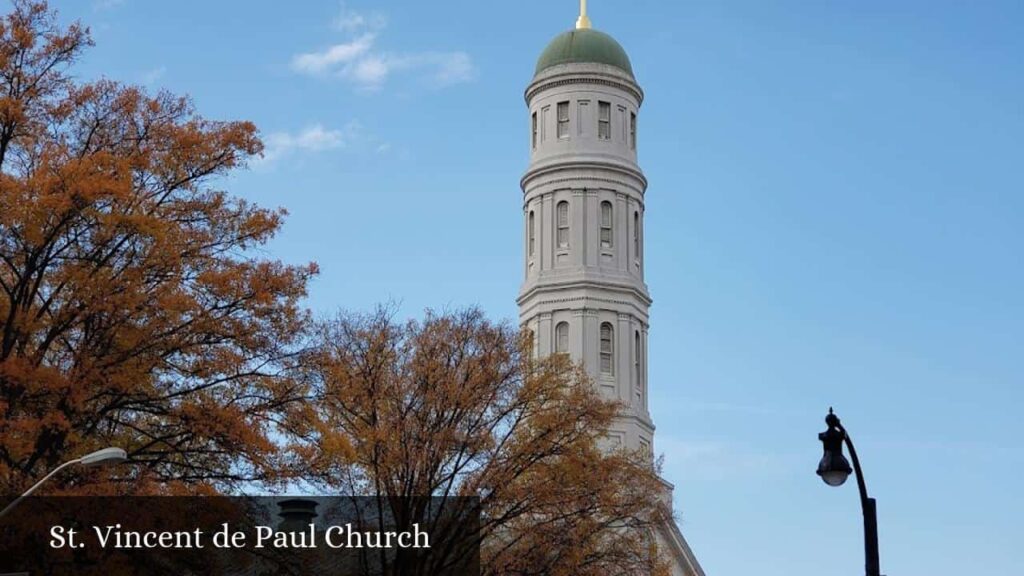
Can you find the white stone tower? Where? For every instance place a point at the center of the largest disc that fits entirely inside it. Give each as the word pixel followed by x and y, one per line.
pixel 583 212
pixel 584 292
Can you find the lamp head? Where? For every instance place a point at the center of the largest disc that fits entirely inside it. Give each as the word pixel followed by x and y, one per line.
pixel 833 468
pixel 104 457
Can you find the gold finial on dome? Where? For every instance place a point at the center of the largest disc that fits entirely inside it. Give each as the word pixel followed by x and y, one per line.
pixel 583 22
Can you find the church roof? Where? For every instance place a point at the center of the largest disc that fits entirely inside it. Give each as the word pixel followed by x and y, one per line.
pixel 584 45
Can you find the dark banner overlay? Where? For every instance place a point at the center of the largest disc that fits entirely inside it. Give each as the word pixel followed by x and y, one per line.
pixel 241 536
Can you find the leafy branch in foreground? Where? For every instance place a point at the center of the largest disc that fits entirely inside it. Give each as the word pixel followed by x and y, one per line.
pixel 456 406
pixel 133 310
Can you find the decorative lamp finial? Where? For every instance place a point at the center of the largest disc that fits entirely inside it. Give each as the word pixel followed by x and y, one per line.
pixel 583 22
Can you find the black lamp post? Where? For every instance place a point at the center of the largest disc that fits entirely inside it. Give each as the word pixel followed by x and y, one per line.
pixel 834 470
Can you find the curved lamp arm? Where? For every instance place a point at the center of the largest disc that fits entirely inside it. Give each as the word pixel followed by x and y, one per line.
pixel 861 484
pixel 97 458
pixel 37 485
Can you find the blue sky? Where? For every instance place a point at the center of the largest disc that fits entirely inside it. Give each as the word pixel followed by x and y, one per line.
pixel 835 217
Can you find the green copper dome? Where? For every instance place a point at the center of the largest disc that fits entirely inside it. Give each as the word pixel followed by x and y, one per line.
pixel 584 46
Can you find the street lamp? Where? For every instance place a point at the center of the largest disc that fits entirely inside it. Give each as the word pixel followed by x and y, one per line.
pixel 102 457
pixel 834 469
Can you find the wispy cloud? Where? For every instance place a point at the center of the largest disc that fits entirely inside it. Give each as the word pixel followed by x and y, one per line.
pixel 351 21
pixel 154 75
pixel 314 138
pixel 337 55
pixel 317 139
pixel 360 61
pixel 101 5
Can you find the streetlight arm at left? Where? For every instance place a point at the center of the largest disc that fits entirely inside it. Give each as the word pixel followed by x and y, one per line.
pixel 97 458
pixel 36 486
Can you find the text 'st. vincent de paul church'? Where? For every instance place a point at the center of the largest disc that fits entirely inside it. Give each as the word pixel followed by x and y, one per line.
pixel 583 206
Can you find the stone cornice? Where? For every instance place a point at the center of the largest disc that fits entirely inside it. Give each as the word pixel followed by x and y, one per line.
pixel 548 287
pixel 556 80
pixel 551 169
pixel 530 311
pixel 642 418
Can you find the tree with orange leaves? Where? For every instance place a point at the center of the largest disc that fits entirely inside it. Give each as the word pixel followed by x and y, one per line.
pixel 132 309
pixel 456 405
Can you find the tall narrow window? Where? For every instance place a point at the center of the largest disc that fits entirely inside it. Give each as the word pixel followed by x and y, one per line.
pixel 606 224
pixel 607 349
pixel 604 120
pixel 637 353
pixel 534 131
pixel 563 119
pixel 636 234
pixel 563 224
pixel 562 338
pixel 533 234
pixel 632 130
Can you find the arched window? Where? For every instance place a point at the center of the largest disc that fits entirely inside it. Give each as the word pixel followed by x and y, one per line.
pixel 562 338
pixel 532 233
pixel 563 224
pixel 607 349
pixel 606 224
pixel 636 234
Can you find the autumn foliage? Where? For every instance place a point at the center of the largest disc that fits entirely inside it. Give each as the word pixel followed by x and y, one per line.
pixel 133 310
pixel 455 405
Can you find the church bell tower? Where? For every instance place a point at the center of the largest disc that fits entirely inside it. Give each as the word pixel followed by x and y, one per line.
pixel 583 292
pixel 583 212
